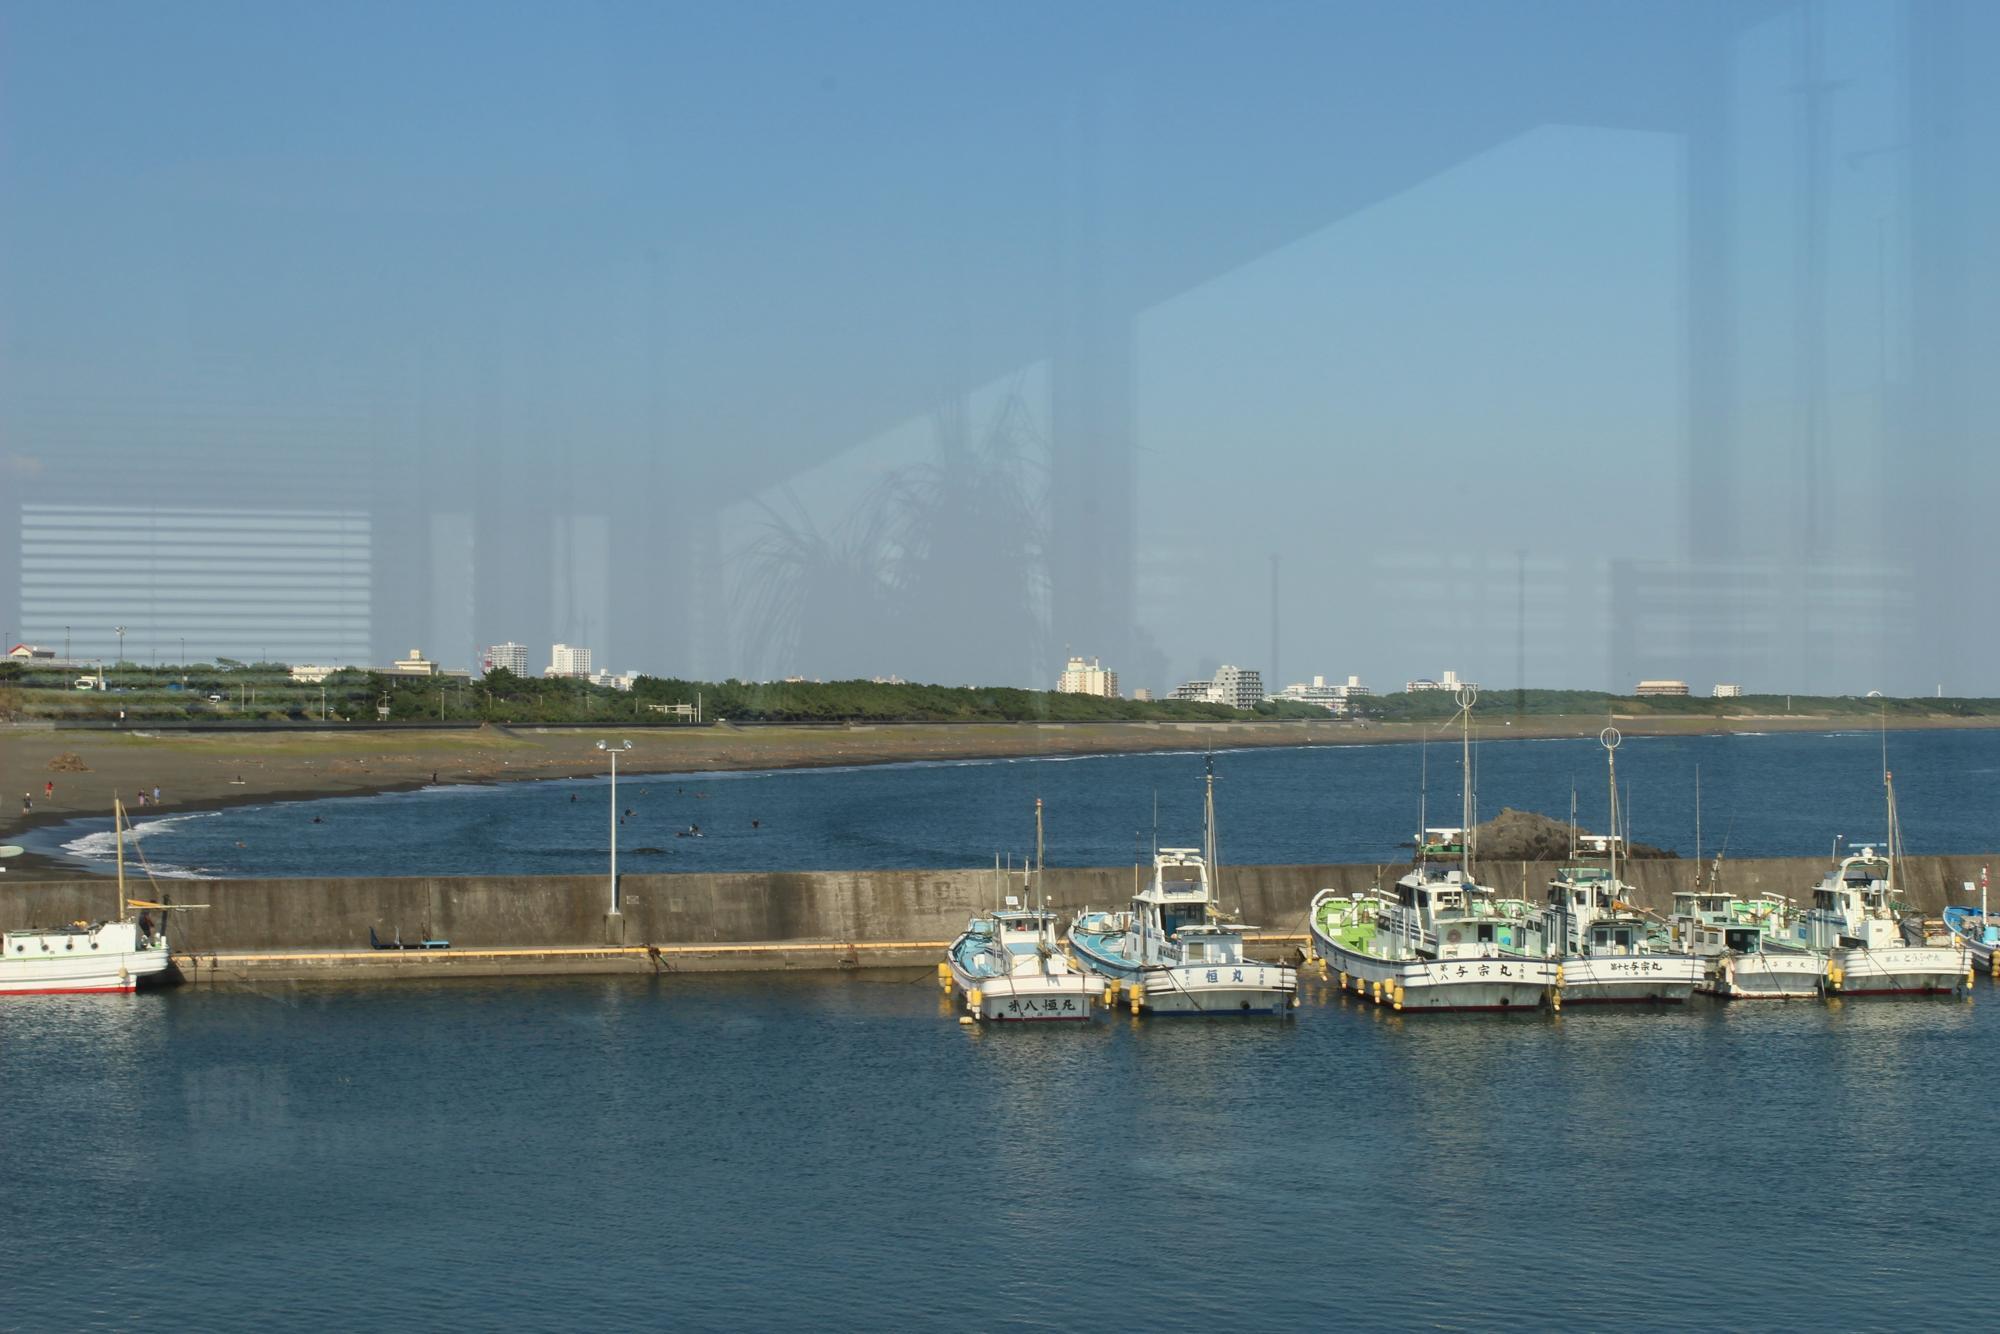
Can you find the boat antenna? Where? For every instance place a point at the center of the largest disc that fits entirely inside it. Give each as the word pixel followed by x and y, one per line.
pixel 1697 815
pixel 1609 739
pixel 1156 822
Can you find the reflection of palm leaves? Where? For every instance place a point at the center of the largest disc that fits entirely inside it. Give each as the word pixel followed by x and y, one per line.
pixel 808 590
pixel 938 573
pixel 971 546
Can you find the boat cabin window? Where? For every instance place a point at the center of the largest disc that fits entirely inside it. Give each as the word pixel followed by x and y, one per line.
pixel 1172 919
pixel 1742 939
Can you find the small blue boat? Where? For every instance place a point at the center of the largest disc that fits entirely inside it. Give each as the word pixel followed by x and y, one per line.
pixel 1009 965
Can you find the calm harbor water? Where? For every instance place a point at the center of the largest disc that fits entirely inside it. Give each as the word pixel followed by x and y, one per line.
pixel 838 1153
pixel 1777 795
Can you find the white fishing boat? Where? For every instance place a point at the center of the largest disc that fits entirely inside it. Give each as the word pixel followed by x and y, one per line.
pixel 1748 949
pixel 1009 964
pixel 1439 940
pixel 1857 921
pixel 122 953
pixel 1174 951
pixel 1606 949
pixel 1853 918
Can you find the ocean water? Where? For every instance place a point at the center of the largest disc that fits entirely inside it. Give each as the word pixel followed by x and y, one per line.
pixel 838 1153
pixel 1776 795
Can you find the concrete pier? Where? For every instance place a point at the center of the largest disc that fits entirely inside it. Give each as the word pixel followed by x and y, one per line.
pixel 500 925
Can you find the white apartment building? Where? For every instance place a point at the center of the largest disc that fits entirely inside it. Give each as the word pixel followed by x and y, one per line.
pixel 568 660
pixel 1334 699
pixel 1720 691
pixel 311 673
pixel 1661 688
pixel 1087 678
pixel 512 656
pixel 1238 687
pixel 1449 681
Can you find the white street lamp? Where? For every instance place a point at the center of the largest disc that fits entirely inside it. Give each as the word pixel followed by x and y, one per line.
pixel 612 751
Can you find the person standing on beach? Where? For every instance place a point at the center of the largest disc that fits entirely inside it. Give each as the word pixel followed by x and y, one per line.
pixel 156 796
pixel 49 788
pixel 27 802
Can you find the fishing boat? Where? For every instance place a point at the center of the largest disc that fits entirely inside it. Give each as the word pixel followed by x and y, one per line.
pixel 1746 947
pixel 1009 964
pixel 1853 918
pixel 1606 950
pixel 121 953
pixel 1857 921
pixel 1439 940
pixel 1174 951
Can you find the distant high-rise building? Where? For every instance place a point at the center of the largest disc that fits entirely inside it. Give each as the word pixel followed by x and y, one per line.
pixel 1721 691
pixel 1087 678
pixel 566 660
pixel 512 656
pixel 1661 688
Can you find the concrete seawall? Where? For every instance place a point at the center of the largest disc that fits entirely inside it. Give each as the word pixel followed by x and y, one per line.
pixel 817 919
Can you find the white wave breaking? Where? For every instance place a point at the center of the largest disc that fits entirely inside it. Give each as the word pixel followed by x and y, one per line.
pixel 102 845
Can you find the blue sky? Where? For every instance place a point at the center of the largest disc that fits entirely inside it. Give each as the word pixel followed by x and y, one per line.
pixel 1398 294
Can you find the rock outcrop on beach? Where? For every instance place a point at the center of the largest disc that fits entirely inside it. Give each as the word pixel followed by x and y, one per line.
pixel 1525 836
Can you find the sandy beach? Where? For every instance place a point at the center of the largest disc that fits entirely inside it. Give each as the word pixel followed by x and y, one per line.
pixel 196 770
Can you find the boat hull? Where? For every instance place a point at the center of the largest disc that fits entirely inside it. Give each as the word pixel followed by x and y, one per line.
pixel 1495 984
pixel 1232 989
pixel 1908 970
pixel 26 975
pixel 1250 987
pixel 1033 998
pixel 1639 979
pixel 1798 976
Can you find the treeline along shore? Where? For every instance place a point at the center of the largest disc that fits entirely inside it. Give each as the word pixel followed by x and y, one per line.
pixel 496 925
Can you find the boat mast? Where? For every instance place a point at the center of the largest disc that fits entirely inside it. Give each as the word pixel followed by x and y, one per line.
pixel 1610 738
pixel 1697 815
pixel 118 837
pixel 1572 820
pixel 1466 696
pixel 1208 835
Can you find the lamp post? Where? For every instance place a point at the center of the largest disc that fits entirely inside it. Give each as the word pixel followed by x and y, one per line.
pixel 612 751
